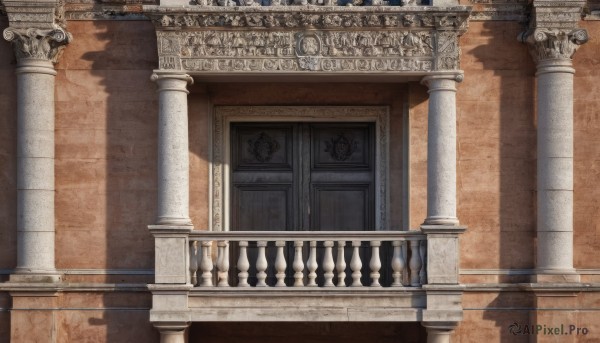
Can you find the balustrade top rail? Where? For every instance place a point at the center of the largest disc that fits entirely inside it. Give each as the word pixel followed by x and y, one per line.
pixel 306 235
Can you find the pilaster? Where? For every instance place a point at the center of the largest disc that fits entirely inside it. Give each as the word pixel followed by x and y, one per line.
pixel 553 38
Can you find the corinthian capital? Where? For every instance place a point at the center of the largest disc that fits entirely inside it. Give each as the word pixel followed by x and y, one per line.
pixel 33 43
pixel 560 43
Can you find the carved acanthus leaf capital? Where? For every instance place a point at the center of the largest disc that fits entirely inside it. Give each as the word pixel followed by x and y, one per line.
pixel 33 43
pixel 551 43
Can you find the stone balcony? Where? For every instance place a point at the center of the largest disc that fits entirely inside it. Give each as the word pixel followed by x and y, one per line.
pixel 306 276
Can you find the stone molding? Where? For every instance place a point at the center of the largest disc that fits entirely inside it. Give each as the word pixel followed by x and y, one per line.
pixel 284 40
pixel 37 29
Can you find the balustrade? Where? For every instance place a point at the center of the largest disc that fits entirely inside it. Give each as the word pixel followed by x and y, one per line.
pixel 306 259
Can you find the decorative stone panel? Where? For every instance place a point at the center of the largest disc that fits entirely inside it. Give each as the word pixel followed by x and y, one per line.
pixel 308 39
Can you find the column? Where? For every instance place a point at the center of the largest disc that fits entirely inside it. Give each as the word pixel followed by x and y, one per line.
pixel 36 50
pixel 552 50
pixel 441 149
pixel 173 151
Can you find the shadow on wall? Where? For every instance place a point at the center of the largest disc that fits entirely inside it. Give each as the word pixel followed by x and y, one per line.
pixel 109 76
pixel 501 68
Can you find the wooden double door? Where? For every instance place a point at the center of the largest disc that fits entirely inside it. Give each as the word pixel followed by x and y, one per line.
pixel 302 176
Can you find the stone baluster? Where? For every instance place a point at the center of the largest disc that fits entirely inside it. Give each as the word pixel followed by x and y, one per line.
pixel 415 263
pixel 398 263
pixel 340 264
pixel 298 264
pixel 261 264
pixel 328 264
pixel 36 51
pixel 280 264
pixel 206 264
pixel 356 264
pixel 423 253
pixel 312 265
pixel 243 265
pixel 194 262
pixel 223 264
pixel 375 263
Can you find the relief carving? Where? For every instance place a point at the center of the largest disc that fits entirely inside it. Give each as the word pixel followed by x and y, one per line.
pixel 293 51
pixel 38 43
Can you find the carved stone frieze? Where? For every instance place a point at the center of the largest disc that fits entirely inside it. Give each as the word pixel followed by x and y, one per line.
pixel 38 43
pixel 304 50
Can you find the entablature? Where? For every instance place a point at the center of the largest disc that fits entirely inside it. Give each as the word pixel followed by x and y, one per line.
pixel 309 40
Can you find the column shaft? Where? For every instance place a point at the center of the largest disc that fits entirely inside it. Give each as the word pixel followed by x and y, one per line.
pixel 173 151
pixel 35 170
pixel 441 150
pixel 555 166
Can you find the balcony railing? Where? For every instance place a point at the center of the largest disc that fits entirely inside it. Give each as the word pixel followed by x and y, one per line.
pixel 322 259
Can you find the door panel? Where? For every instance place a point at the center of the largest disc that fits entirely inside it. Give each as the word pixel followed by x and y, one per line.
pixel 263 207
pixel 339 207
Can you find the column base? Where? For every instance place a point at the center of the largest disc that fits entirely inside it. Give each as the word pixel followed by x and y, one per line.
pixel 555 276
pixel 172 332
pixel 29 276
pixel 441 221
pixel 439 332
pixel 174 221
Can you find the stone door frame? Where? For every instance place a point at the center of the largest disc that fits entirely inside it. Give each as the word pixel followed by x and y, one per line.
pixel 223 116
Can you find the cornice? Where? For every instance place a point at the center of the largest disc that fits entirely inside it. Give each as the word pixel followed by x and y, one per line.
pixel 310 17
